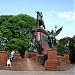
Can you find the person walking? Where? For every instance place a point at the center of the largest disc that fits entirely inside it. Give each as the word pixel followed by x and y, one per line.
pixel 8 62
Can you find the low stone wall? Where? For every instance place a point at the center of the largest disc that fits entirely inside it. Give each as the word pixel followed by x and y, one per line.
pixel 61 60
pixel 3 57
pixel 17 56
pixel 34 57
pixel 66 57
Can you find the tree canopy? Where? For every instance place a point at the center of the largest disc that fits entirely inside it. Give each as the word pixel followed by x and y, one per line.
pixel 16 28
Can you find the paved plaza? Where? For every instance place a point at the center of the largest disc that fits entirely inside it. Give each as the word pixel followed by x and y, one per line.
pixel 71 71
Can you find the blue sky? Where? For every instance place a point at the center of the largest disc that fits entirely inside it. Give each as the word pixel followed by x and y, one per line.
pixel 55 12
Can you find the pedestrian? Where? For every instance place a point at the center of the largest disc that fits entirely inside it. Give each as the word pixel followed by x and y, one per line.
pixel 8 62
pixel 12 55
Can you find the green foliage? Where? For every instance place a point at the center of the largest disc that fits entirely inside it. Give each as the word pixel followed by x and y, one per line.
pixel 16 28
pixel 72 50
pixel 60 47
pixel 0 47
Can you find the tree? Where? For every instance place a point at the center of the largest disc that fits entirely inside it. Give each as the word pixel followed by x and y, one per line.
pixel 18 45
pixel 16 28
pixel 72 50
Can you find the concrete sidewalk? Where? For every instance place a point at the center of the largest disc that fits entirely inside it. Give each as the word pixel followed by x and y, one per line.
pixel 71 71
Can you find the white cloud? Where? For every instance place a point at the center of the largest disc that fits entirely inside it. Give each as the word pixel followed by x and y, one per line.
pixel 66 15
pixel 69 16
pixel 49 14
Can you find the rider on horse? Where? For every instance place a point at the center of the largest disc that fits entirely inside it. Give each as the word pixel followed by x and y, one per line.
pixel 39 19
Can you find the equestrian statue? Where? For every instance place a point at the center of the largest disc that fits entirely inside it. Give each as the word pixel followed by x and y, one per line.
pixel 40 19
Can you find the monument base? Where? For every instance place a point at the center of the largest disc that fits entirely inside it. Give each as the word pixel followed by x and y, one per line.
pixel 51 62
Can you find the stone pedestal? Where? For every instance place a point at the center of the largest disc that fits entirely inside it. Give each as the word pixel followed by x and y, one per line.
pixel 39 33
pixel 3 57
pixel 51 62
pixel 66 56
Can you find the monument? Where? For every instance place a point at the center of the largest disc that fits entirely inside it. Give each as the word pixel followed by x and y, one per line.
pixel 44 44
